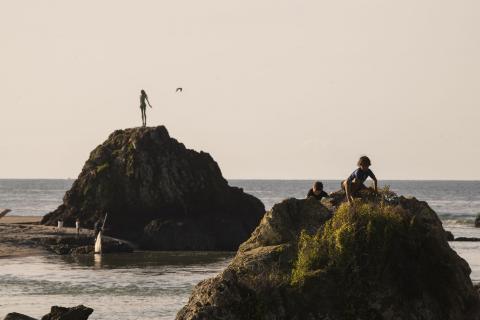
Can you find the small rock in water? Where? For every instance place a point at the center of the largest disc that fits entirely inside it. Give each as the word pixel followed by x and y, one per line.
pixel 75 313
pixel 57 313
pixel 17 316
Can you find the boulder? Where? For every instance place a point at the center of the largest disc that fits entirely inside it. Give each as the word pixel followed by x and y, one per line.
pixel 160 194
pixel 385 257
pixel 17 316
pixel 477 221
pixel 57 313
pixel 75 313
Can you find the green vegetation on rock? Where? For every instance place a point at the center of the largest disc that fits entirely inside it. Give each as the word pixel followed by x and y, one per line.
pixel 102 167
pixel 354 238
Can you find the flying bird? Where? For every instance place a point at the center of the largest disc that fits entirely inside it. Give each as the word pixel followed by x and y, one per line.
pixel 179 90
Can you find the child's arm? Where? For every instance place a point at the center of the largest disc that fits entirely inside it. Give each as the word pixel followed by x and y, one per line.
pixel 375 182
pixel 148 102
pixel 348 186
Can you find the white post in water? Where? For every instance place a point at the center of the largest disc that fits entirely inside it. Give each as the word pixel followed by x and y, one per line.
pixel 59 225
pixel 98 241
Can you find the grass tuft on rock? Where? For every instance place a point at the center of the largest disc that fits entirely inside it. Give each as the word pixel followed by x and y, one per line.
pixel 358 237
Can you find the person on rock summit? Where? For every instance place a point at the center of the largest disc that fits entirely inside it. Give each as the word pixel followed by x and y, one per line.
pixel 355 181
pixel 317 191
pixel 143 106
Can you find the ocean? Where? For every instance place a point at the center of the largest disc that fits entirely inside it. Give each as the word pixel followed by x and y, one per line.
pixel 155 285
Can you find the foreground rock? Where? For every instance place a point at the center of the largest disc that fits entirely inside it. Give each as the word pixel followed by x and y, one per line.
pixel 386 258
pixel 57 313
pixel 159 193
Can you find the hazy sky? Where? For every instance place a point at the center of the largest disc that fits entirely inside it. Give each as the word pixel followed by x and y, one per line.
pixel 272 89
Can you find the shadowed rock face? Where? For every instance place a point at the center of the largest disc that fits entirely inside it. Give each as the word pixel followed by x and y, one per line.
pixel 384 258
pixel 159 193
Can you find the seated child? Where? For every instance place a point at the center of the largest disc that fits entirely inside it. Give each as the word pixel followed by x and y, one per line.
pixel 317 191
pixel 355 181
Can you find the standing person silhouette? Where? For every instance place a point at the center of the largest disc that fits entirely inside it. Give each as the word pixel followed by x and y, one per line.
pixel 143 106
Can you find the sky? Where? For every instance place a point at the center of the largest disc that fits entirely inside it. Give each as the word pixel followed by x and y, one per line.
pixel 272 89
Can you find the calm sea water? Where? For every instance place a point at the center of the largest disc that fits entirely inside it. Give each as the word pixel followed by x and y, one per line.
pixel 143 285
pixel 156 285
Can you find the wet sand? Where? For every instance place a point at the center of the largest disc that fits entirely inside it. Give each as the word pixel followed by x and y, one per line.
pixel 25 236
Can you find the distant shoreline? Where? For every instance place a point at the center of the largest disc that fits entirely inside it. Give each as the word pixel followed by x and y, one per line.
pixel 21 219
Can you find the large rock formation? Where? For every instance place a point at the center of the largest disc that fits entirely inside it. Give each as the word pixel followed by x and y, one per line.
pixel 159 193
pixel 384 258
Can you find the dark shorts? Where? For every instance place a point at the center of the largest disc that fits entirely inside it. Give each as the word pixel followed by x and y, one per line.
pixel 356 186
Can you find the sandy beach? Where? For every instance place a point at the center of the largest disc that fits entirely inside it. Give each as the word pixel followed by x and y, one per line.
pixel 20 219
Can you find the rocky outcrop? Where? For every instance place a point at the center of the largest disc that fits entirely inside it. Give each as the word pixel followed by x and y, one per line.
pixel 57 313
pixel 159 193
pixel 63 245
pixel 387 257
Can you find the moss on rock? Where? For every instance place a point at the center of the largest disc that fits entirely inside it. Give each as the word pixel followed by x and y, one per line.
pixel 364 227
